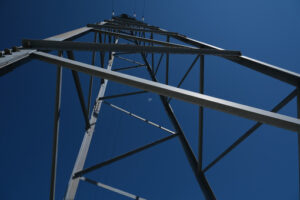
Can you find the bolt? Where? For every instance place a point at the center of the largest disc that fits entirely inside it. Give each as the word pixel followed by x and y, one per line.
pixel 7 51
pixel 26 44
pixel 15 49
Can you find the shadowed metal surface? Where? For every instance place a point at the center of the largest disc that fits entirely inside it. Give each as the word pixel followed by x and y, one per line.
pixel 256 114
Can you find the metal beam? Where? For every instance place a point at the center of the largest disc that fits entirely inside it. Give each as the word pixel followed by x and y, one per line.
pixel 188 71
pixel 167 63
pixel 159 61
pixel 185 75
pixel 10 62
pixel 152 55
pixel 139 117
pixel 127 36
pixel 129 60
pixel 89 46
pixel 81 157
pixel 107 187
pixel 262 67
pixel 252 113
pixel 122 53
pixel 91 78
pixel 71 35
pixel 56 131
pixel 102 55
pixel 79 92
pixel 122 95
pixel 96 26
pixel 110 161
pixel 130 67
pixel 199 175
pixel 109 43
pixel 200 137
pixel 285 101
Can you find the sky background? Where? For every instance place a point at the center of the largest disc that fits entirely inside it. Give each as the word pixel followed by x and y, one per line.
pixel 262 167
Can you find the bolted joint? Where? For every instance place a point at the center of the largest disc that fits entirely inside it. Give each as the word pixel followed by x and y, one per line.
pixel 15 49
pixel 7 51
pixel 26 44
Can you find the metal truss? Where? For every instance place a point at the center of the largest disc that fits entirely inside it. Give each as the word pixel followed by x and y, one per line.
pixel 141 40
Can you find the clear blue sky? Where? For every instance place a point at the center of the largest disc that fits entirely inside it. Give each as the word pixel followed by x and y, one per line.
pixel 262 167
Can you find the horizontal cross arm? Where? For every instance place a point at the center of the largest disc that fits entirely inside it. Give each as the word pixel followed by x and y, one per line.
pixel 278 120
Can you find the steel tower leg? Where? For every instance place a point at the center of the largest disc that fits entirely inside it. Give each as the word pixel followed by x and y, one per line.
pixel 81 157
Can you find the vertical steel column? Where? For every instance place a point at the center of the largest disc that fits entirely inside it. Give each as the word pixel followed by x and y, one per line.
pixel 201 90
pixel 167 63
pixel 102 55
pixel 81 157
pixel 152 55
pixel 56 130
pixel 109 41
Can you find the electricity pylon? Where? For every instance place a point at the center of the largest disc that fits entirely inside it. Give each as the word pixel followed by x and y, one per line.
pixel 143 43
